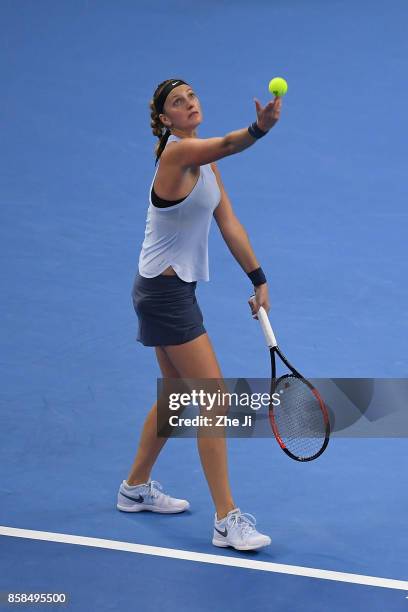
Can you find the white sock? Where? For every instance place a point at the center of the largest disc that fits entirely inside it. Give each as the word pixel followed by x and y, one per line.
pixel 143 484
pixel 217 520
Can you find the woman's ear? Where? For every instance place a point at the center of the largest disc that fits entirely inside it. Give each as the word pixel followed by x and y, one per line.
pixel 165 121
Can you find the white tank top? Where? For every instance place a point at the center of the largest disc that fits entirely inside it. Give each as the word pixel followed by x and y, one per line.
pixel 177 236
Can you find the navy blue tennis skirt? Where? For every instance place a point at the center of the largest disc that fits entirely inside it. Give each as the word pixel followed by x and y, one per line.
pixel 167 310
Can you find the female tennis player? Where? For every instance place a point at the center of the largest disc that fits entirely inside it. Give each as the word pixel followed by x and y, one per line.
pixel 186 192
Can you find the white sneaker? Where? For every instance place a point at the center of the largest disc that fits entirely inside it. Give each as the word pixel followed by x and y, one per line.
pixel 237 529
pixel 148 496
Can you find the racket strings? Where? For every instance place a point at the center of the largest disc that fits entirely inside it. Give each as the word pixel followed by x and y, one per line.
pixel 298 418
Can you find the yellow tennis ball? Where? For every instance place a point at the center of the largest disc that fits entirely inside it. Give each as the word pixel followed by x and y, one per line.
pixel 278 86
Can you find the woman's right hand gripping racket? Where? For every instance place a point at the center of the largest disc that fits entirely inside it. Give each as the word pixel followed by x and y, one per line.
pixel 300 422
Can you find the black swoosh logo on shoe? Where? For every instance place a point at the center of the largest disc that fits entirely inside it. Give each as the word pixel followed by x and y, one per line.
pixel 138 500
pixel 223 533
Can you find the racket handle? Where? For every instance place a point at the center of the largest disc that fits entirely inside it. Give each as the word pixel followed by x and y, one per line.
pixel 265 324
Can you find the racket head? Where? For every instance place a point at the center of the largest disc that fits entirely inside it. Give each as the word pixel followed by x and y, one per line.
pixel 300 422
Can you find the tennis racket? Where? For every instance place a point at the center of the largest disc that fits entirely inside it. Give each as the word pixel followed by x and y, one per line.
pixel 300 420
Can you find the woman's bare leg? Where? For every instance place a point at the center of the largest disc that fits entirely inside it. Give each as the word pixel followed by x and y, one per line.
pixel 196 359
pixel 150 444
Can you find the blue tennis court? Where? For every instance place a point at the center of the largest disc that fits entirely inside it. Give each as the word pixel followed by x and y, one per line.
pixel 323 199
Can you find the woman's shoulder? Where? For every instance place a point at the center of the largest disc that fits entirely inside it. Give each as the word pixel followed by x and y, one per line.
pixel 170 161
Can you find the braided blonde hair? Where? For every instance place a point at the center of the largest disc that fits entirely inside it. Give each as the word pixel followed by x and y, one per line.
pixel 157 126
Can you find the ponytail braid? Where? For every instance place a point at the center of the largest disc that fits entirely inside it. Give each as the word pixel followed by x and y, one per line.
pixel 156 107
pixel 158 129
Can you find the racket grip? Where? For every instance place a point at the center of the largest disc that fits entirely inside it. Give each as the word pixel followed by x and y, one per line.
pixel 266 325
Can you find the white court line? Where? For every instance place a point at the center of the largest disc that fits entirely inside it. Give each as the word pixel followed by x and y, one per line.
pixel 186 555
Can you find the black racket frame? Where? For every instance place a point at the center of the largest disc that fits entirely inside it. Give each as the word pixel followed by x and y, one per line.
pixel 274 383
